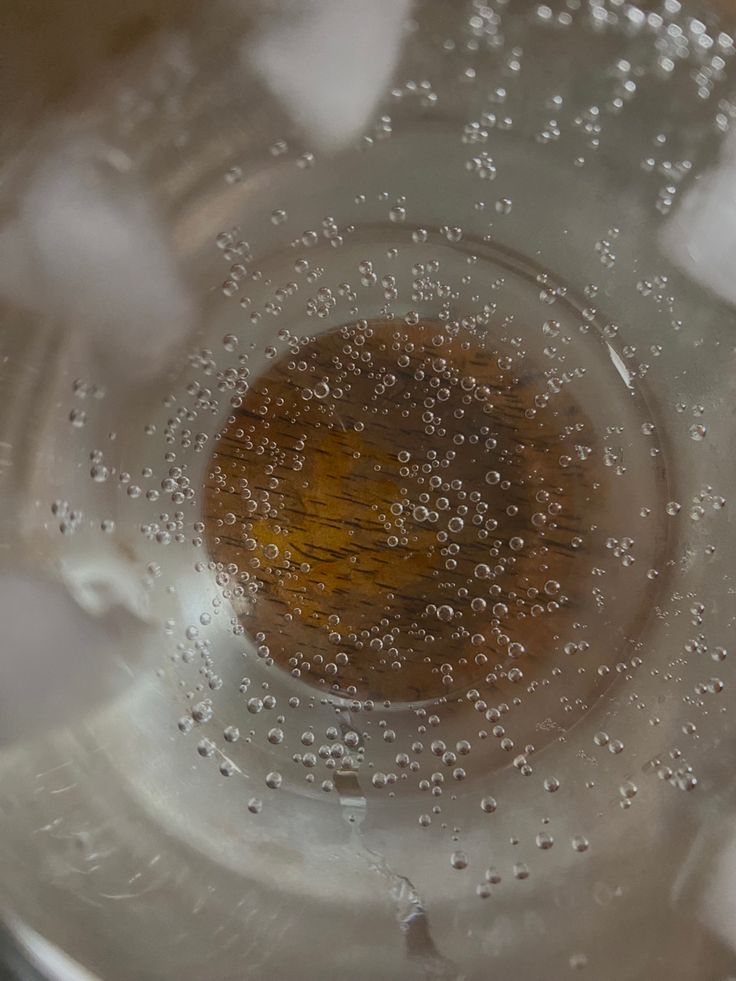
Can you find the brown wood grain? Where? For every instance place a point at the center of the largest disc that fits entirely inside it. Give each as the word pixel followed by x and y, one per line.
pixel 299 499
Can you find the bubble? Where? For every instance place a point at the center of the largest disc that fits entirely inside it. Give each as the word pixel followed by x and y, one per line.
pixel 580 843
pixel 255 805
pixel 698 432
pixel 551 785
pixel 488 805
pixel 274 780
pixel 459 860
pixel 202 712
pixel 544 840
pixel 493 477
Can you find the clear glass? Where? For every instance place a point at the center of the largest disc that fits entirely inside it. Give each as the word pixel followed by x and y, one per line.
pixel 550 185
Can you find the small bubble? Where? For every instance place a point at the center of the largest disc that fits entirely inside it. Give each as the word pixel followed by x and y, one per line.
pixel 698 432
pixel 255 805
pixel 459 860
pixel 488 805
pixel 202 712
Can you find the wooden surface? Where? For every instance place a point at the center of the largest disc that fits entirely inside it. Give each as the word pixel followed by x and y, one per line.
pixel 306 494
